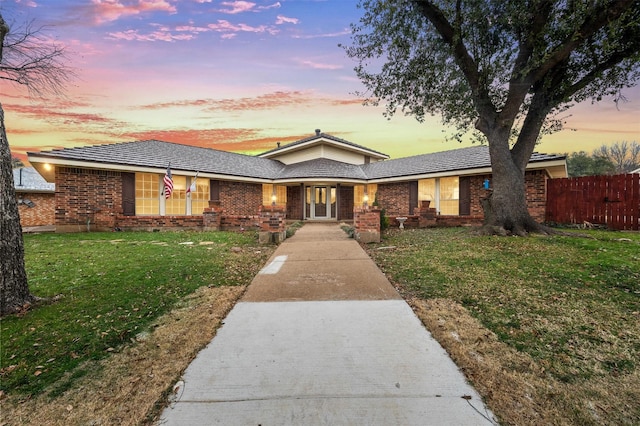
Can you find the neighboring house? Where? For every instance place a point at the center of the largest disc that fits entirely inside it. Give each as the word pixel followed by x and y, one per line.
pixel 321 177
pixel 36 197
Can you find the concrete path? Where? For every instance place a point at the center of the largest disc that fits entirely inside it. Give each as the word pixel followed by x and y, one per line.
pixel 322 338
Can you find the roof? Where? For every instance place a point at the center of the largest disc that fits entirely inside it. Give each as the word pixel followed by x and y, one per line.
pixel 27 179
pixel 319 136
pixel 475 157
pixel 158 155
pixel 322 168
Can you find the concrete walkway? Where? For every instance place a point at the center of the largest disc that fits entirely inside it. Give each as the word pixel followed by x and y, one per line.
pixel 322 338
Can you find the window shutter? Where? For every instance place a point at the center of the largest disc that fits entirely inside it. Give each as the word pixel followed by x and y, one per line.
pixel 413 195
pixel 214 190
pixel 129 194
pixel 465 196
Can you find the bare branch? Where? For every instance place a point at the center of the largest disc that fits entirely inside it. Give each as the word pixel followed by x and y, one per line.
pixel 29 58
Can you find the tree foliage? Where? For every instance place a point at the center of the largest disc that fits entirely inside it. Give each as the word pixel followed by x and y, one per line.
pixel 582 164
pixel 624 155
pixel 502 70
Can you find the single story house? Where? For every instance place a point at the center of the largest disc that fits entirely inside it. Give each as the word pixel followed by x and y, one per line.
pixel 321 177
pixel 35 196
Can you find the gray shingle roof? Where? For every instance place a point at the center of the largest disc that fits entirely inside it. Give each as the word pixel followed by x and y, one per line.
pixel 159 154
pixel 325 136
pixel 188 158
pixel 322 168
pixel 29 180
pixel 458 159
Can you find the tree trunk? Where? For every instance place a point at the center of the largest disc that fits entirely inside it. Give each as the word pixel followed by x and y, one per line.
pixel 505 209
pixel 14 290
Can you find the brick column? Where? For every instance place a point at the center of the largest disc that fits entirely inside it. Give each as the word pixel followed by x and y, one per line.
pixel 272 224
pixel 367 224
pixel 212 216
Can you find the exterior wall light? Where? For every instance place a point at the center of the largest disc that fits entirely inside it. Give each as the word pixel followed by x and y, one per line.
pixel 365 200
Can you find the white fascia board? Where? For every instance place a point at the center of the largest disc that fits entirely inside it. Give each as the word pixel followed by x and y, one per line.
pixel 140 169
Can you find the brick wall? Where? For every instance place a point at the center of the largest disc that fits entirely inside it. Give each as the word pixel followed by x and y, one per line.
pixel 394 198
pixel 294 202
pixel 536 187
pixel 43 213
pixel 87 197
pixel 240 198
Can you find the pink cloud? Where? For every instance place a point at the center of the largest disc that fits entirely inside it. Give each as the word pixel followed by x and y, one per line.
pixel 284 20
pixel 233 7
pixel 223 26
pixel 162 34
pixel 112 10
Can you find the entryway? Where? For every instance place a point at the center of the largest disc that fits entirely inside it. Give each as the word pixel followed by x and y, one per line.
pixel 320 202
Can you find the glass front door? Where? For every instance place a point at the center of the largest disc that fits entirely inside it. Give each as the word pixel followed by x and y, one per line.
pixel 320 202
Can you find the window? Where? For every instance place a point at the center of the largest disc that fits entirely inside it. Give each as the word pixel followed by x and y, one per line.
pixel 267 194
pixel 149 198
pixel 177 203
pixel 427 190
pixel 147 193
pixel 358 194
pixel 449 196
pixel 200 197
pixel 444 194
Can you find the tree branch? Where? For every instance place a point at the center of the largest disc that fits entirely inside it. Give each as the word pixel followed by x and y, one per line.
pixel 599 17
pixel 467 64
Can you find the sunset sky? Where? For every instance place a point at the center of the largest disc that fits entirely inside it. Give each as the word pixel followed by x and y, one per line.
pixel 231 75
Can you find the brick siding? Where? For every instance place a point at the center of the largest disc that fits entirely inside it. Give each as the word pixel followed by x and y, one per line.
pixel 240 198
pixel 294 202
pixel 43 213
pixel 87 197
pixel 394 198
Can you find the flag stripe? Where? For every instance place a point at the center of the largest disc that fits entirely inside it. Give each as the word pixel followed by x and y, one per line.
pixel 168 183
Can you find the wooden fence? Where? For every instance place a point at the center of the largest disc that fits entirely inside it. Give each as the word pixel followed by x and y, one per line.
pixel 613 201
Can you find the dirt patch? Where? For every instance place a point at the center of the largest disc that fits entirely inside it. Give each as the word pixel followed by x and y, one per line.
pixel 514 386
pixel 130 387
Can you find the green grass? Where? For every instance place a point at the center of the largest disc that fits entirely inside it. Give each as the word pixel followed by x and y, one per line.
pixel 570 302
pixel 112 287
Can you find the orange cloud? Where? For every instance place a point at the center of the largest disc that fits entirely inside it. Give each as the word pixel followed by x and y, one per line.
pixel 55 115
pixel 262 102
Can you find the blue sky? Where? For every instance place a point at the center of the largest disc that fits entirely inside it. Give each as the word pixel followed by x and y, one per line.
pixel 232 75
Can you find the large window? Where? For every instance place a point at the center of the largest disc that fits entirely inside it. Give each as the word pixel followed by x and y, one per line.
pixel 444 194
pixel 147 193
pixel 150 198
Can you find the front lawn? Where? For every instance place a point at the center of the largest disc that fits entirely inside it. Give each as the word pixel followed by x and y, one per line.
pixel 108 289
pixel 570 304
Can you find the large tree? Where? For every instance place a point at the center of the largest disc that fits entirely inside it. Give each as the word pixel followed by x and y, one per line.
pixel 29 59
pixel 503 70
pixel 624 155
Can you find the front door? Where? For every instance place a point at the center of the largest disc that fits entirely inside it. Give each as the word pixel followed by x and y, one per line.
pixel 320 202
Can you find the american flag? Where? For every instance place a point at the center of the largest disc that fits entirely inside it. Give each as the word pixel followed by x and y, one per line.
pixel 168 183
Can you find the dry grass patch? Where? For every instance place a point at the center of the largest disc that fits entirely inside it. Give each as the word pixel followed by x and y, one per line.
pixel 514 386
pixel 130 387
